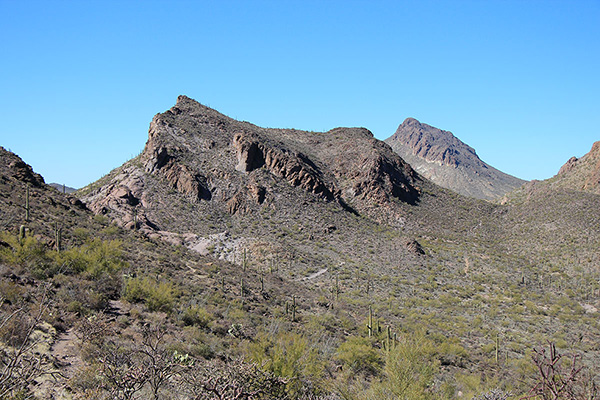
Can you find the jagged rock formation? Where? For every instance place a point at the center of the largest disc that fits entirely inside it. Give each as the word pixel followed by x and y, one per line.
pixel 223 165
pixel 441 157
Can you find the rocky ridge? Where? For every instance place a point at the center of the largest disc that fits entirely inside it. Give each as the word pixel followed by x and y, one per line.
pixel 581 174
pixel 200 165
pixel 208 157
pixel 444 159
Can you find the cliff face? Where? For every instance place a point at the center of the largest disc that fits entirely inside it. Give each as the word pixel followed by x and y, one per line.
pixel 221 165
pixel 441 157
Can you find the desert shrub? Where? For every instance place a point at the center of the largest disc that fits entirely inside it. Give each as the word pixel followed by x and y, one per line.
pixel 20 364
pixel 358 354
pixel 237 379
pixel 409 371
pixel 27 253
pixel 560 376
pixel 196 316
pixel 157 296
pixel 95 258
pixel 11 293
pixel 452 354
pixel 289 356
pixel 494 394
pixel 82 295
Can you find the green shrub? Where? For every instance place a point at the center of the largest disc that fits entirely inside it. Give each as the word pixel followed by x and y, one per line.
pixel 359 354
pixel 287 355
pixel 27 253
pixel 157 296
pixel 95 258
pixel 196 316
pixel 409 371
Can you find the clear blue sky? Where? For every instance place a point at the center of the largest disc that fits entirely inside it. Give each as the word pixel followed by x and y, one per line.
pixel 517 80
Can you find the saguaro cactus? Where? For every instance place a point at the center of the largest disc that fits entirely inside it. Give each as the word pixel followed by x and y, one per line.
pixel 370 324
pixel 57 236
pixel 244 261
pixel 388 339
pixel 27 204
pixel 135 218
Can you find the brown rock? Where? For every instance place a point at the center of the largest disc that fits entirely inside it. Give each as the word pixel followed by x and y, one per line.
pixel 444 159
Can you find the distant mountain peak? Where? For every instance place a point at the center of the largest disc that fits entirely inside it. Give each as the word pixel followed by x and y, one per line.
pixel 443 158
pixel 436 145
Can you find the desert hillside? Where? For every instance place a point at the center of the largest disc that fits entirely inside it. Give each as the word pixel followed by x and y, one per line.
pixel 232 261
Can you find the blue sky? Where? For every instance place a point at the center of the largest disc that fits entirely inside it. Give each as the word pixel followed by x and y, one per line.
pixel 517 80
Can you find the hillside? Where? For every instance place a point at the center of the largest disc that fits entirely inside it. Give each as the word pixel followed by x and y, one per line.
pixel 311 265
pixel 580 174
pixel 441 157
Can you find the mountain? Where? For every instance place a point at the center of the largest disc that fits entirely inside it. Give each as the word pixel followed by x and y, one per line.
pixel 62 188
pixel 201 169
pixel 441 157
pixel 341 203
pixel 314 264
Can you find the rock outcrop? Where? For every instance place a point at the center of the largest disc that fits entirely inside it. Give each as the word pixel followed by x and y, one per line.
pixel 581 174
pixel 22 171
pixel 441 157
pixel 295 168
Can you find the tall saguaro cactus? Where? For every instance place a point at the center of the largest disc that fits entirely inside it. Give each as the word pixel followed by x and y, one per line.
pixel 57 236
pixel 27 204
pixel 370 324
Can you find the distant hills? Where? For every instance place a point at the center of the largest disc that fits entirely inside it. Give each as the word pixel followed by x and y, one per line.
pixel 444 159
pixel 62 188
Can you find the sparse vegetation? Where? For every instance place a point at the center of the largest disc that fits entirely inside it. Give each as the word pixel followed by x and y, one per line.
pixel 300 296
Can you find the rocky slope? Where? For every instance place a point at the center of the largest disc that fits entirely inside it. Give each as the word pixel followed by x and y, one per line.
pixel 581 174
pixel 441 157
pixel 200 169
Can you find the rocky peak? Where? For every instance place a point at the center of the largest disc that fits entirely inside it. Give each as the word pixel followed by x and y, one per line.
pixel 568 166
pixel 224 165
pixel 443 158
pixel 434 145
